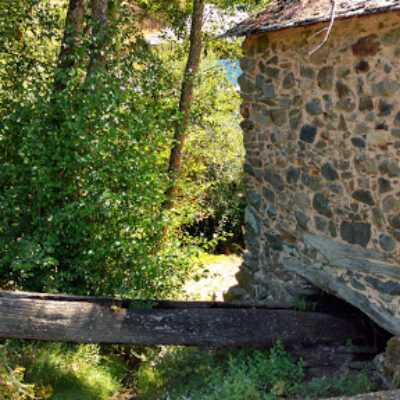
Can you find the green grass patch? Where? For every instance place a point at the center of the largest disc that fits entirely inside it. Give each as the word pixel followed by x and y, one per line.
pixel 73 371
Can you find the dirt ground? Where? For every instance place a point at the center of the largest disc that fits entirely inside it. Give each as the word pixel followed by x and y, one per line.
pixel 221 277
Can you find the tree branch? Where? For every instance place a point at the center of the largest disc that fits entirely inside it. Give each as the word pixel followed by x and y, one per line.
pixel 334 7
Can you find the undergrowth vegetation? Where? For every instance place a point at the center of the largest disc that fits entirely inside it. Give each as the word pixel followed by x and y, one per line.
pixel 68 372
pixel 236 374
pixel 58 372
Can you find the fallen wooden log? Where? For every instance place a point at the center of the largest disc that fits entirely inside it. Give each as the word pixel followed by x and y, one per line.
pixel 109 320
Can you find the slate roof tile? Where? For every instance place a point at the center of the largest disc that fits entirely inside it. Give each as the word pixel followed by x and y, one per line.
pixel 281 14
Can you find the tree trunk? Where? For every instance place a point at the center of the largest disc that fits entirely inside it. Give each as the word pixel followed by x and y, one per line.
pixel 186 101
pixel 106 320
pixel 100 21
pixel 73 29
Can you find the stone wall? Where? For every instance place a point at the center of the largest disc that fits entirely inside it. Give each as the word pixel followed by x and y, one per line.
pixel 322 138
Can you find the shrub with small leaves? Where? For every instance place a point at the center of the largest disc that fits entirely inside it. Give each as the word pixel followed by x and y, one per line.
pixel 83 174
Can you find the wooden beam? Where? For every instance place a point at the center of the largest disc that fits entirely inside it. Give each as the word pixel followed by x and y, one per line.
pixel 108 320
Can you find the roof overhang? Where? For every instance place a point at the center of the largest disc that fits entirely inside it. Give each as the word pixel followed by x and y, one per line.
pixel 283 14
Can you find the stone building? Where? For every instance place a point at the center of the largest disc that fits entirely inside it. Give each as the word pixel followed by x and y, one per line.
pixel 322 138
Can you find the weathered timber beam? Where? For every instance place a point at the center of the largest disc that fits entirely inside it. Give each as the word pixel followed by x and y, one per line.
pixel 129 303
pixel 90 320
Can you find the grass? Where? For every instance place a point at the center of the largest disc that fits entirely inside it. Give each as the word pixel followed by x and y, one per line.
pixel 72 371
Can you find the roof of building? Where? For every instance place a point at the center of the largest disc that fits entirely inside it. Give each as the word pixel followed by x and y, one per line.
pixel 281 14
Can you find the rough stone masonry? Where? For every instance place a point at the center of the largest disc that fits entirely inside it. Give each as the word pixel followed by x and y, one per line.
pixel 322 139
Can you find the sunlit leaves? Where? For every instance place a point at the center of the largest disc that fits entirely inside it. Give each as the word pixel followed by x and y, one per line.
pixel 83 175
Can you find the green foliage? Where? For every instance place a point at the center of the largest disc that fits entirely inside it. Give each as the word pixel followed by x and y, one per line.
pixel 175 12
pixel 224 375
pixel 83 168
pixel 71 371
pixel 13 386
pixel 302 304
pixel 210 202
pixel 233 374
pixel 83 179
pixel 349 384
pixel 82 190
pixel 214 146
pixel 141 305
pixel 30 31
pixel 349 343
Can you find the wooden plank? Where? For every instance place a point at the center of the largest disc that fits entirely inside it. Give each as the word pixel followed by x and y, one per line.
pixel 92 320
pixel 130 303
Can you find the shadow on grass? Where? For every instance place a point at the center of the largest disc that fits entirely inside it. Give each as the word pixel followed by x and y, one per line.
pixel 68 386
pixel 75 372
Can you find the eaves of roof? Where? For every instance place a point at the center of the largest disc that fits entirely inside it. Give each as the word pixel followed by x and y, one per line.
pixel 282 14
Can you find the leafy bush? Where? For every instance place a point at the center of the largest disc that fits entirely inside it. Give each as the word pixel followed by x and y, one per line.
pixel 83 179
pixel 81 194
pixel 83 169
